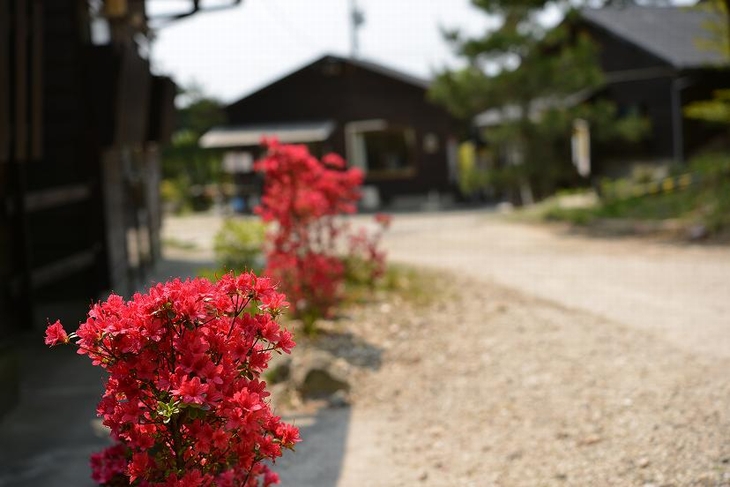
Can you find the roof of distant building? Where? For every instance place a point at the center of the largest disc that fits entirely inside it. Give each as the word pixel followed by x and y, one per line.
pixel 674 34
pixel 384 70
pixel 361 63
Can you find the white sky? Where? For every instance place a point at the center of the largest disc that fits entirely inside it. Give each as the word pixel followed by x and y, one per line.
pixel 233 52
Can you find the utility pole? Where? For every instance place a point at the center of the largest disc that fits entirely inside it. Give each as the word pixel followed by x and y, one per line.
pixel 357 18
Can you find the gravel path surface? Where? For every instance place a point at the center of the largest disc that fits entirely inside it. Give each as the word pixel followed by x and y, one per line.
pixel 494 388
pixel 679 292
pixel 546 360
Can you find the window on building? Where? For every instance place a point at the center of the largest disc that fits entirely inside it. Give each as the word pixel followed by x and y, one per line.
pixel 381 149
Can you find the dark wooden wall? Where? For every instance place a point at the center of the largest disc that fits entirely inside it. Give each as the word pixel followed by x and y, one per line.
pixel 637 79
pixel 21 99
pixel 79 168
pixel 699 135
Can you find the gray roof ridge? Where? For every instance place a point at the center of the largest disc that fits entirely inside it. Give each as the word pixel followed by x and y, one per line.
pixel 369 65
pixel 675 55
pixel 385 70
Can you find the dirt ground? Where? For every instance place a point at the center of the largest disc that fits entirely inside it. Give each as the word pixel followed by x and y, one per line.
pixel 544 359
pixel 490 387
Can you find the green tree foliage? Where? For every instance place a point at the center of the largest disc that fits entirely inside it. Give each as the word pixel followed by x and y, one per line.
pixel 717 109
pixel 187 170
pixel 200 113
pixel 538 74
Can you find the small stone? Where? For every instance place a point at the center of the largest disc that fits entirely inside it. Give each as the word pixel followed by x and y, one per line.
pixel 279 372
pixel 319 383
pixel 643 462
pixel 339 399
pixel 423 477
pixel 515 455
pixel 590 440
pixel 697 232
pixel 436 432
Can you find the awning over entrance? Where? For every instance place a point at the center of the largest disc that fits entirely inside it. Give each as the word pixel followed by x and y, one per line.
pixel 251 135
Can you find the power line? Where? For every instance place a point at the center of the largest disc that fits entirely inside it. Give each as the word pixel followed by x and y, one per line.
pixel 291 27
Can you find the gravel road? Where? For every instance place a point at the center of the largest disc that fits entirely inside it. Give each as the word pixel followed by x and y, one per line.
pixel 546 359
pixel 491 387
pixel 678 292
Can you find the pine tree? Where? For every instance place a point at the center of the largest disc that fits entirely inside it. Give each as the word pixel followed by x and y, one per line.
pixel 527 69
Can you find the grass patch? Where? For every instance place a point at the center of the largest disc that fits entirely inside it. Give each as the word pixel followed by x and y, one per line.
pixel 576 216
pixel 705 203
pixel 409 284
pixel 176 243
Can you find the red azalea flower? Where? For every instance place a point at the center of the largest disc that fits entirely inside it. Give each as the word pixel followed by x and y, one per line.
pixel 191 391
pixel 55 334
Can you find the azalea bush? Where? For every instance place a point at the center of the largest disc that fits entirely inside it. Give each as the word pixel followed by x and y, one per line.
pixel 303 198
pixel 184 401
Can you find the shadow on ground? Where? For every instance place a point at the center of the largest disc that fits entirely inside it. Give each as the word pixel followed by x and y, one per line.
pixel 318 459
pixel 47 439
pixel 353 349
pixel 170 268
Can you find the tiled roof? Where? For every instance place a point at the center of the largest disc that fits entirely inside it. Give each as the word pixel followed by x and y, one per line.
pixel 674 34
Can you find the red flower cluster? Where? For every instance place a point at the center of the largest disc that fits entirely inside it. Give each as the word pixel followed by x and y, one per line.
pixel 184 401
pixel 303 196
pixel 55 334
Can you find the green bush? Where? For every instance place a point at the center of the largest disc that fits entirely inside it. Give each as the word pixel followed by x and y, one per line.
pixel 238 245
pixel 174 194
pixel 576 216
pixel 712 205
pixel 706 201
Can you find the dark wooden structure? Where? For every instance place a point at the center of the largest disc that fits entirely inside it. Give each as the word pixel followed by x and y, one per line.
pixel 377 118
pixel 81 118
pixel 655 65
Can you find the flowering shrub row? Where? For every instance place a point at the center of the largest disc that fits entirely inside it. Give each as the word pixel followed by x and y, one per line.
pixel 184 400
pixel 303 196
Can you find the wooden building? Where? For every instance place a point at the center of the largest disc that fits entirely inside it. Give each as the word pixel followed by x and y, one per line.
pixel 81 120
pixel 654 64
pixel 656 61
pixel 379 119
